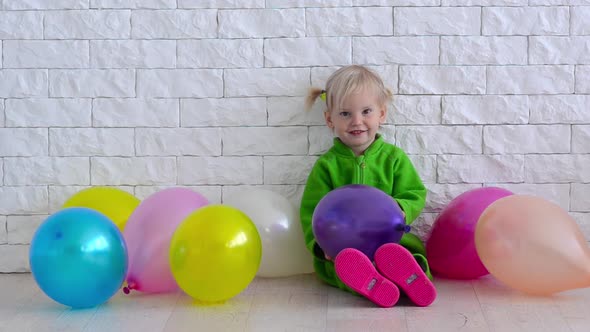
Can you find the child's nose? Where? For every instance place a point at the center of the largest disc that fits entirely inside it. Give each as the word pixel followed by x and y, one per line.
pixel 357 119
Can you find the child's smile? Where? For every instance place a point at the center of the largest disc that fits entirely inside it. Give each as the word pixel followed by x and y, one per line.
pixel 357 132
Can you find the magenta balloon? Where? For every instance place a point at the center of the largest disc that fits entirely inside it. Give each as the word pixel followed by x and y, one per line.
pixel 357 216
pixel 450 249
pixel 148 233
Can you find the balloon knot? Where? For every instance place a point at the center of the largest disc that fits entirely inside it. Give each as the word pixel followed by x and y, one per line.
pixel 130 285
pixel 403 228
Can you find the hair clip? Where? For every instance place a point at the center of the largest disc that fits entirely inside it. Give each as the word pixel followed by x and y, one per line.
pixel 323 95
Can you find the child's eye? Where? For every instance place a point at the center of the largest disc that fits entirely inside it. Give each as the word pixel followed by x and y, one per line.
pixel 344 114
pixel 367 111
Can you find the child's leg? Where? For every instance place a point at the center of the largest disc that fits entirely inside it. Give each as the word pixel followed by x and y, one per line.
pixel 397 264
pixel 416 247
pixel 356 270
pixel 326 272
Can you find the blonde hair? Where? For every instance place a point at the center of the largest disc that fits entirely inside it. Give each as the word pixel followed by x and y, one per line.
pixel 345 81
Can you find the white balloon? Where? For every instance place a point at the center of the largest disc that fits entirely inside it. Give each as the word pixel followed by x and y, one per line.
pixel 277 221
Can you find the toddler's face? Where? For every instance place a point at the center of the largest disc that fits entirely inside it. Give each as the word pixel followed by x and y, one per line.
pixel 357 121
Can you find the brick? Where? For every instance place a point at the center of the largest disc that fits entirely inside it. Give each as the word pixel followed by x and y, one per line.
pixel 439 139
pixel 23 142
pixel 174 24
pixel 526 139
pixel 480 168
pixel 559 109
pixel 436 21
pixel 41 5
pixel 91 142
pixel 46 171
pixel 266 82
pixel 485 109
pixel 178 142
pixel 580 139
pixel 220 53
pixel 398 50
pixel 44 112
pixel 21 24
pixel 559 50
pixel 220 170
pixel 133 171
pixel 133 4
pixel 23 199
pixel 132 54
pixel 92 83
pixel 23 83
pixel 530 79
pixel 216 112
pixel 87 24
pixel 287 169
pixel 481 50
pixel 179 83
pixel 264 141
pixel 113 112
pixel 259 23
pixel 307 51
pixel 355 21
pixel 442 80
pixel 556 168
pixel 46 54
pixel 525 21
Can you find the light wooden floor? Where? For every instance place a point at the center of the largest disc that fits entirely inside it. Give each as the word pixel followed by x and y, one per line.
pixel 299 303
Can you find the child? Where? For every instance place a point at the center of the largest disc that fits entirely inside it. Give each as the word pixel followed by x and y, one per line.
pixel 357 105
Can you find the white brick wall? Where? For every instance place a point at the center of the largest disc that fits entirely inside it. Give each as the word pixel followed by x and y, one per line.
pixel 208 94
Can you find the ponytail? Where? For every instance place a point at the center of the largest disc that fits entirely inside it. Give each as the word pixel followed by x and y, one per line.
pixel 313 94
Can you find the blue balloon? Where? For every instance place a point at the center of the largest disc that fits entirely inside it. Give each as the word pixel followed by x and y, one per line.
pixel 78 257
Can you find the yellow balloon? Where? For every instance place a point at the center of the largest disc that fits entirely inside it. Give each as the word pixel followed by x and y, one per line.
pixel 215 253
pixel 114 203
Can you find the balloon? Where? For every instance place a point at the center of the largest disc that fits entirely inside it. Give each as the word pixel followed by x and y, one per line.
pixel 533 245
pixel 148 235
pixel 357 216
pixel 277 222
pixel 78 257
pixel 215 253
pixel 450 248
pixel 114 203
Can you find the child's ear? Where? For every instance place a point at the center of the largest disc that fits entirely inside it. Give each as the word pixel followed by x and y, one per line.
pixel 383 114
pixel 328 117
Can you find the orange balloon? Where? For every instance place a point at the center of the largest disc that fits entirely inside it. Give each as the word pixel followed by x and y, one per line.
pixel 532 245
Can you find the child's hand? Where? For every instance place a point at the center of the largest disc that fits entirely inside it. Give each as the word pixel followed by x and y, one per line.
pixel 328 258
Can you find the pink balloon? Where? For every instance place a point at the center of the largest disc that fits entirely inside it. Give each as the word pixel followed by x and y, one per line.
pixel 148 233
pixel 450 249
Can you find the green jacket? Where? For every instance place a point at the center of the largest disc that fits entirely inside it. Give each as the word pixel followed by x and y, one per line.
pixel 383 166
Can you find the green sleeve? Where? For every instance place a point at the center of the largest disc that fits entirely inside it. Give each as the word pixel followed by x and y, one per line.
pixel 317 186
pixel 408 189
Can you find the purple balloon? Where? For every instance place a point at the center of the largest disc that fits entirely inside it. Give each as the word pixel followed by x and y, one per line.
pixel 357 216
pixel 450 249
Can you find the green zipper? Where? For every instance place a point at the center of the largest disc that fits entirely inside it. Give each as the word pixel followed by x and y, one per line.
pixel 360 162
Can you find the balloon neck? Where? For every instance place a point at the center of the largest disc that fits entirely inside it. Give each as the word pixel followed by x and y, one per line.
pixel 130 285
pixel 404 228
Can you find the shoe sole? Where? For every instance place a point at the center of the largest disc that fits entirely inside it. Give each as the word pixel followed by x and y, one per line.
pixel 357 272
pixel 397 264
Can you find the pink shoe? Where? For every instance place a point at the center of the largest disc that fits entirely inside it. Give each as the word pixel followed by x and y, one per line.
pixel 397 264
pixel 357 272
